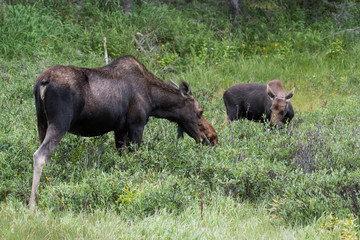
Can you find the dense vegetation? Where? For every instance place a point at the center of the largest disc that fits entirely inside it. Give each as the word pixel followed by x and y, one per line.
pixel 299 182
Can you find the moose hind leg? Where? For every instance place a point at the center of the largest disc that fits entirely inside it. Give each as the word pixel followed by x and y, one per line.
pixel 42 155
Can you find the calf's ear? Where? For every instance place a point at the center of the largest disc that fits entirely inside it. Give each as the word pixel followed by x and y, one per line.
pixel 290 94
pixel 185 89
pixel 270 92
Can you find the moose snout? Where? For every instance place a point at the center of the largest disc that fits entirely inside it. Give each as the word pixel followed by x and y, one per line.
pixel 280 124
pixel 274 123
pixel 210 142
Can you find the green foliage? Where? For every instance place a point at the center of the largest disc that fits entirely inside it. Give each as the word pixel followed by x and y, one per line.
pixel 31 36
pixel 335 48
pixel 223 217
pixel 129 195
pixel 96 190
pixel 346 227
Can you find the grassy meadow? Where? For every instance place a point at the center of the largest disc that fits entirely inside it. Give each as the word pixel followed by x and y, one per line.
pixel 301 182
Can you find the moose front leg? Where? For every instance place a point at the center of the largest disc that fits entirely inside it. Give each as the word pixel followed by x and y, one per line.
pixel 136 122
pixel 122 140
pixel 136 132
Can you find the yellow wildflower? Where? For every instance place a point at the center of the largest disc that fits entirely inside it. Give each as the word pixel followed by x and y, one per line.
pixel 276 44
pixel 243 44
pixel 162 45
pixel 266 56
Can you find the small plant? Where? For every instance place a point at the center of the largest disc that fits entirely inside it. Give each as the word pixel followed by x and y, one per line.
pixel 167 61
pixel 336 48
pixel 346 227
pixel 129 196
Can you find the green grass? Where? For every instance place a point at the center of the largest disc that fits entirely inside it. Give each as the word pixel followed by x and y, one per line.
pixel 298 183
pixel 222 218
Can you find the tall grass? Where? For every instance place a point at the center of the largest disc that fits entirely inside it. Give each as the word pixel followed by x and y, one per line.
pixel 222 218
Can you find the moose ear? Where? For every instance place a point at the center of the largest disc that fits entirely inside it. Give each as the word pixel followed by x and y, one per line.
pixel 290 94
pixel 185 89
pixel 173 84
pixel 270 92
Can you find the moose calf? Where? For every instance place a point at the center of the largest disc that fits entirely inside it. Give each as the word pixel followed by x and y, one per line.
pixel 259 102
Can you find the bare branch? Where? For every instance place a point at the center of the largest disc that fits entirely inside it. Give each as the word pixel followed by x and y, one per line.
pixel 346 30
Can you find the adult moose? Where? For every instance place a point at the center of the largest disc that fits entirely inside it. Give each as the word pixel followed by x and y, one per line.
pixel 259 102
pixel 119 97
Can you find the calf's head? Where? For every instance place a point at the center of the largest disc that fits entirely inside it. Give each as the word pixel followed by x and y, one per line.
pixel 279 106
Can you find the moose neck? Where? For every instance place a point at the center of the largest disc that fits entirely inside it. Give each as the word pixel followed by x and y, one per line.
pixel 167 103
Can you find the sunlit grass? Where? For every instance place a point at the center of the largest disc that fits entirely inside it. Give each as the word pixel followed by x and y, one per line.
pixel 222 218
